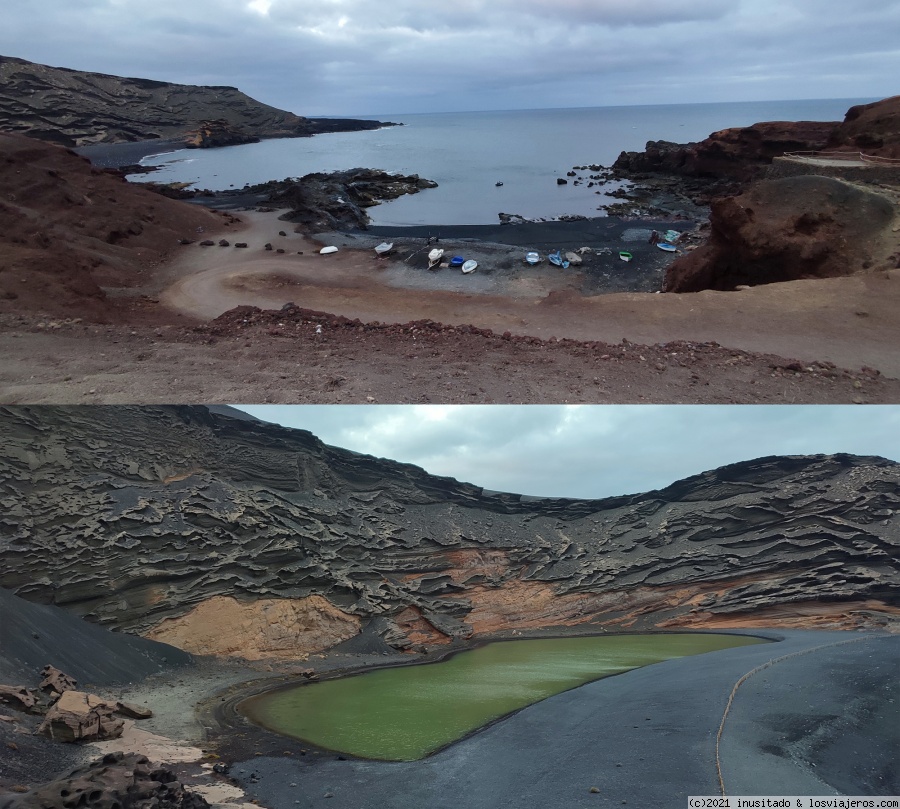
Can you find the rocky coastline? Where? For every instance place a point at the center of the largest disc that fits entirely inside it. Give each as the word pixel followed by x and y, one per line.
pixel 76 109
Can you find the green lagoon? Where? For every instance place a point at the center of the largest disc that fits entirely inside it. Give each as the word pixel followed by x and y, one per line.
pixel 405 713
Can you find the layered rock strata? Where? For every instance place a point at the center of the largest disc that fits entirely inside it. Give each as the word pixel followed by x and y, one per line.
pixel 152 519
pixel 77 108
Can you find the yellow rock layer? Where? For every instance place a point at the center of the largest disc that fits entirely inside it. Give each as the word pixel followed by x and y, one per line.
pixel 283 628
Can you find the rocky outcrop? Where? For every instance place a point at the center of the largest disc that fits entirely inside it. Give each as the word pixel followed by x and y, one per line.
pixel 335 200
pixel 870 128
pixel 76 108
pixel 137 517
pixel 79 716
pixel 738 154
pixel 212 134
pixel 744 153
pixel 787 229
pixel 125 781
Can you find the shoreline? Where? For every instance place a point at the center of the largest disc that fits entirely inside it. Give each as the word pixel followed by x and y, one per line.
pixel 498 759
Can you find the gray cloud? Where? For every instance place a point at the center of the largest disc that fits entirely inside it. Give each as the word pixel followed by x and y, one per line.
pixel 591 451
pixel 355 56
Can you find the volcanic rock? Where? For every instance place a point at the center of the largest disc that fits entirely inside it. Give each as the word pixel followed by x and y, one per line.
pixel 783 230
pixel 337 200
pixel 75 108
pixel 78 716
pixel 128 781
pixel 196 509
pixel 56 682
pixel 870 128
pixel 18 697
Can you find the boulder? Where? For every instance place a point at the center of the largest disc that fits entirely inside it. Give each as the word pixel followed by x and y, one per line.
pixel 18 697
pixel 78 716
pixel 124 781
pixel 55 681
pixel 787 229
pixel 132 711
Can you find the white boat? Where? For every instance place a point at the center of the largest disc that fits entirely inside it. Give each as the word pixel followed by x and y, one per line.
pixel 574 258
pixel 532 258
pixel 469 266
pixel 384 247
pixel 326 250
pixel 669 248
pixel 625 255
pixel 434 257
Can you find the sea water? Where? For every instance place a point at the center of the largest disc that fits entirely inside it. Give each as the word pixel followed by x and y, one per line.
pixel 467 154
pixel 405 713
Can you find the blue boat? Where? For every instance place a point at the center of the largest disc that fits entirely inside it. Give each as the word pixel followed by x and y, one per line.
pixel 457 261
pixel 558 260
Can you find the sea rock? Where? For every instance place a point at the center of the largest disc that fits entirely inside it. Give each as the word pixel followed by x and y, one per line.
pixel 283 539
pixel 79 716
pixel 118 780
pixel 337 200
pixel 787 229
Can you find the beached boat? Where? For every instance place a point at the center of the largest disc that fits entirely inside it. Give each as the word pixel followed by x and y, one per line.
pixel 457 261
pixel 469 266
pixel 434 257
pixel 669 248
pixel 326 250
pixel 574 258
pixel 532 258
pixel 625 255
pixel 384 248
pixel 558 260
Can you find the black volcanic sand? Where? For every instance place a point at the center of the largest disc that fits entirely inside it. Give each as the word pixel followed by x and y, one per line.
pixel 119 155
pixel 823 721
pixel 501 248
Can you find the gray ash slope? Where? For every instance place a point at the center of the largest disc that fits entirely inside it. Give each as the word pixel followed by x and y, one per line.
pixel 132 515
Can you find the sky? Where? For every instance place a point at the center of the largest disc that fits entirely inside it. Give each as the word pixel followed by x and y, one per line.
pixel 592 450
pixel 360 57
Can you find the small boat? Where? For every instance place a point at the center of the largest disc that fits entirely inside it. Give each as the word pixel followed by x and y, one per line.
pixel 434 257
pixel 673 236
pixel 457 261
pixel 625 255
pixel 669 248
pixel 574 258
pixel 326 250
pixel 469 266
pixel 384 248
pixel 533 258
pixel 498 184
pixel 558 260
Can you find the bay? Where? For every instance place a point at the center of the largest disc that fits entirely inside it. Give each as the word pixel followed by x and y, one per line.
pixel 468 153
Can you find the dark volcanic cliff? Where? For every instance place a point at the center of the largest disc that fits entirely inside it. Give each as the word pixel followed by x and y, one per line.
pixel 76 108
pixel 224 535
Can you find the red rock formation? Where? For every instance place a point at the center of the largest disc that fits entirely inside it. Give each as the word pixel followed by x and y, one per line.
pixel 870 128
pixel 783 230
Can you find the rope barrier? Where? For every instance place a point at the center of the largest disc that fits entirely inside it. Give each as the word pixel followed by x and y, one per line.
pixel 759 668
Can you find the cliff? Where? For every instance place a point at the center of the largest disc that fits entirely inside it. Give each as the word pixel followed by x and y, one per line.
pixel 741 154
pixel 228 535
pixel 77 108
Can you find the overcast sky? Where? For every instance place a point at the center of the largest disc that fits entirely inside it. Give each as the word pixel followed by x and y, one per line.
pixel 365 57
pixel 590 451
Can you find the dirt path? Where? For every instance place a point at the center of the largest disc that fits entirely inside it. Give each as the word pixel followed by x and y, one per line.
pixel 848 321
pixel 779 343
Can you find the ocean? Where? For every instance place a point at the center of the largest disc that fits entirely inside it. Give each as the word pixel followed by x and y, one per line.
pixel 467 154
